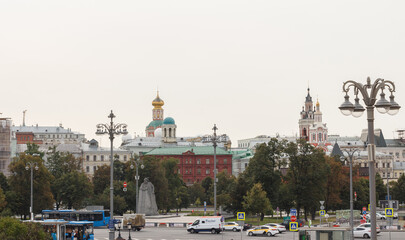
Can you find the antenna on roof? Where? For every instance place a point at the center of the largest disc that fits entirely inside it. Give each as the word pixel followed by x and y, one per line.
pixel 24 117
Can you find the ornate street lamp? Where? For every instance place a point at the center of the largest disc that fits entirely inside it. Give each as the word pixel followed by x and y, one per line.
pixel 111 129
pixel 369 93
pixel 350 154
pixel 137 162
pixel 32 165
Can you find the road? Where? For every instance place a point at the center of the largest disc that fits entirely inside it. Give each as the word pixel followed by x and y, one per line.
pixel 182 234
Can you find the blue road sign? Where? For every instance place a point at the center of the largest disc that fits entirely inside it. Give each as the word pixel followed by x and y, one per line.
pixel 322 213
pixel 364 212
pixel 293 226
pixel 293 212
pixel 241 216
pixel 389 212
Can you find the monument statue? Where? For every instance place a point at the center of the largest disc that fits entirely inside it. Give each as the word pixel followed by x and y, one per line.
pixel 147 199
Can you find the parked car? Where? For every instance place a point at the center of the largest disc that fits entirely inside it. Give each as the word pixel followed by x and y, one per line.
pixel 380 216
pixel 232 226
pixel 362 232
pixel 262 230
pixel 368 225
pixel 279 227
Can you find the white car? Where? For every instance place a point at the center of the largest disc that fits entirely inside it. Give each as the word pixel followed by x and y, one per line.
pixel 362 232
pixel 368 225
pixel 380 216
pixel 262 230
pixel 232 226
pixel 279 227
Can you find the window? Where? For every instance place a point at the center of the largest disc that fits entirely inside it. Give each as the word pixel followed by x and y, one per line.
pixel 388 175
pixel 320 137
pixel 87 158
pixel 396 175
pixel 198 161
pixel 87 169
pixel 383 174
pixel 403 153
pixel 397 154
pixel 383 165
pixel 179 171
pixel 388 165
pixel 376 165
pixel 198 171
pixel 207 161
pixel 313 137
pixel 102 157
pixel 94 168
pixel 125 157
pixel 207 171
pixel 94 158
pixel 225 161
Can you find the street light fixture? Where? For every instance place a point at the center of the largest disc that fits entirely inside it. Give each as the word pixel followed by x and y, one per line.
pixel 111 129
pixel 369 93
pixel 137 162
pixel 350 154
pixel 32 165
pixel 214 143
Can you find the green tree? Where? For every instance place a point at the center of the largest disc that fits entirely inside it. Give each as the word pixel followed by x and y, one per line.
pixel 256 201
pixel 398 190
pixel 4 183
pixel 265 166
pixel 196 191
pixel 336 179
pixel 59 163
pixel 207 184
pixel 306 176
pixel 20 182
pixel 237 190
pixel 32 149
pixel 72 189
pixel 286 199
pixel 12 229
pixel 3 202
pixel 101 179
pixel 175 182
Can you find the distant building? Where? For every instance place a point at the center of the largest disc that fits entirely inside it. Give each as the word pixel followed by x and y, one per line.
pixel 5 145
pixel 196 163
pixel 162 132
pixel 44 136
pixel 95 156
pixel 311 126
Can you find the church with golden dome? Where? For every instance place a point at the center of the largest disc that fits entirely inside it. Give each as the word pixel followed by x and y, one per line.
pixel 157 116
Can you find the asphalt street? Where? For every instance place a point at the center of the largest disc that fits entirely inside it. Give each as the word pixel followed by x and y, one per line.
pixel 182 234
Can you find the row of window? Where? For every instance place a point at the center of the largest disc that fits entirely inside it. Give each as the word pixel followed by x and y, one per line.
pixel 389 174
pixel 108 157
pixel 396 154
pixel 207 161
pixel 190 171
pixel 58 136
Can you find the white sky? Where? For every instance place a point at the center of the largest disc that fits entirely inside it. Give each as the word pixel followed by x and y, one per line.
pixel 244 65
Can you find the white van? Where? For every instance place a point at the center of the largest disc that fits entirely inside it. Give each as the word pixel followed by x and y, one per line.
pixel 213 224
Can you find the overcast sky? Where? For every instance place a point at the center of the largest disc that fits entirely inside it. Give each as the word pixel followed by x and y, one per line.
pixel 244 65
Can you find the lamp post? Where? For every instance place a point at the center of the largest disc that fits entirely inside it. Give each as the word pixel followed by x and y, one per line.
pixel 350 154
pixel 111 129
pixel 32 165
pixel 137 162
pixel 369 93
pixel 388 195
pixel 214 143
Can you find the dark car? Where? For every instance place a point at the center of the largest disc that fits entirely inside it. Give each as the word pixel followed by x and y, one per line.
pixel 247 226
pixel 286 223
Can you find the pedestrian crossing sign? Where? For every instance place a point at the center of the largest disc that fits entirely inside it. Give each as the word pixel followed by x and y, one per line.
pixel 322 213
pixel 294 226
pixel 389 212
pixel 241 216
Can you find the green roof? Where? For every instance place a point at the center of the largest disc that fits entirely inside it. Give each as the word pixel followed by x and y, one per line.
pixel 205 150
pixel 155 123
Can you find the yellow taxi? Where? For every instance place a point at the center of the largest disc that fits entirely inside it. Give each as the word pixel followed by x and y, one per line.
pixel 262 230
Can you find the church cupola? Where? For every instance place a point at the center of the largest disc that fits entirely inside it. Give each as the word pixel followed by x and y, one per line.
pixel 157 111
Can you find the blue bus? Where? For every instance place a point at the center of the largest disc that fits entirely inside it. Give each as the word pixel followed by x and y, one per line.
pixel 80 230
pixel 99 218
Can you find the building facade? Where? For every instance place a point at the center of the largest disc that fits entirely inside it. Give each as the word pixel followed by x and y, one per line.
pixel 196 163
pixel 95 156
pixel 5 145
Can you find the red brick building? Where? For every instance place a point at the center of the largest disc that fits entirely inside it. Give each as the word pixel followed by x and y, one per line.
pixel 196 163
pixel 26 137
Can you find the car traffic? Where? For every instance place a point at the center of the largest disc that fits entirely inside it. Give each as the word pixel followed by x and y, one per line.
pixel 362 232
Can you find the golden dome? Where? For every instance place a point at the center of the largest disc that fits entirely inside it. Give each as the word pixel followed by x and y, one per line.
pixel 157 102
